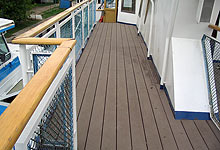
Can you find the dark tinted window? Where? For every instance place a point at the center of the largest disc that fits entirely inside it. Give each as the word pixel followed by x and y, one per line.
pixel 207 10
pixel 128 6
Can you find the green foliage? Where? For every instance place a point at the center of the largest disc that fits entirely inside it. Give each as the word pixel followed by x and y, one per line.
pixel 16 10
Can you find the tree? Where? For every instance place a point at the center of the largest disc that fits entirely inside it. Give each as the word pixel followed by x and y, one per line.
pixel 16 10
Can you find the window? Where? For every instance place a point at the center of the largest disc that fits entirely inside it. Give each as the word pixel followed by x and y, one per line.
pixel 4 51
pixel 207 10
pixel 110 3
pixel 128 6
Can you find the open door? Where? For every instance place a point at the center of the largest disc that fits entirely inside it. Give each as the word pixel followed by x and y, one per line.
pixel 110 10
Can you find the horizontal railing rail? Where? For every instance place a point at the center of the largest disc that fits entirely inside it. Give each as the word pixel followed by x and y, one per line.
pixel 16 116
pixel 48 73
pixel 214 27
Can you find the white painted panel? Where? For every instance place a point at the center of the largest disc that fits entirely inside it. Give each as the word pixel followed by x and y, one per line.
pixel 128 17
pixel 189 76
pixel 169 76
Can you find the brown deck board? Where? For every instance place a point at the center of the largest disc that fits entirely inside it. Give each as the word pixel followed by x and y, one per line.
pixel 165 131
pixel 207 134
pixel 137 129
pixel 85 54
pixel 88 98
pixel 123 122
pixel 95 129
pixel 119 103
pixel 109 126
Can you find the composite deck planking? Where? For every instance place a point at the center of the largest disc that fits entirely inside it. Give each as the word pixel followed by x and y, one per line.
pixel 119 103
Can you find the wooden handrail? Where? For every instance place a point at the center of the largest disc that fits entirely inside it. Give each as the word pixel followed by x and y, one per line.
pixel 40 41
pixel 214 27
pixel 16 116
pixel 38 29
pixel 100 10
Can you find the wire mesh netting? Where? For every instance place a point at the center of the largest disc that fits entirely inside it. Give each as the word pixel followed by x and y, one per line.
pixel 94 12
pixel 86 30
pixel 90 16
pixel 211 49
pixel 39 60
pixel 78 33
pixel 66 30
pixel 55 130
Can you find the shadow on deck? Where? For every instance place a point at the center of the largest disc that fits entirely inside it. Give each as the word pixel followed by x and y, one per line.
pixel 119 103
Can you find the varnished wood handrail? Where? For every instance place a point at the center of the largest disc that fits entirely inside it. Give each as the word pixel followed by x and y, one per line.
pixel 16 116
pixel 100 10
pixel 40 41
pixel 214 27
pixel 38 29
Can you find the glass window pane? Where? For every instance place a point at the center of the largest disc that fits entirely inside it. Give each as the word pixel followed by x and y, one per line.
pixel 128 6
pixel 110 3
pixel 4 52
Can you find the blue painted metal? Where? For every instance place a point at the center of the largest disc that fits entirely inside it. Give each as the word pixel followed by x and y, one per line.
pixel 2 109
pixel 39 60
pixel 5 71
pixel 65 3
pixel 192 115
pixel 8 28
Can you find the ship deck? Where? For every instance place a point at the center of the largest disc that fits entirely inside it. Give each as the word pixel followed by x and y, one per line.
pixel 119 101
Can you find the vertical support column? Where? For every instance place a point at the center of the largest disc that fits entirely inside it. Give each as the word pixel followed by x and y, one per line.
pixel 74 99
pixel 73 25
pixel 57 27
pixel 24 63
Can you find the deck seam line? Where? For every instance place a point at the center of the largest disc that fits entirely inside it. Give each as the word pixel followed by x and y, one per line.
pixel 127 88
pixel 88 79
pixel 93 39
pixel 187 134
pixel 149 96
pixel 213 131
pixel 103 123
pixel 97 82
pixel 201 134
pixel 135 79
pixel 167 119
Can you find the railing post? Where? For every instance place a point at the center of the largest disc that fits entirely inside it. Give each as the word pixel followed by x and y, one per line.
pixel 24 63
pixel 57 26
pixel 73 24
pixel 83 41
pixel 74 99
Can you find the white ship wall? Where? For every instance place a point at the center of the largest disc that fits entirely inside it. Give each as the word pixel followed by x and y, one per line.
pixel 128 17
pixel 175 23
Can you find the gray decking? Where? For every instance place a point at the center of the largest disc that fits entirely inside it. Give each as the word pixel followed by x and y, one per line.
pixel 119 103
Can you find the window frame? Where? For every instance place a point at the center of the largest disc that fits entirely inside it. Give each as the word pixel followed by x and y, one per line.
pixel 127 9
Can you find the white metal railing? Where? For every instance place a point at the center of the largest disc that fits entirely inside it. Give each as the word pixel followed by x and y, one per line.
pixel 46 107
pixel 77 25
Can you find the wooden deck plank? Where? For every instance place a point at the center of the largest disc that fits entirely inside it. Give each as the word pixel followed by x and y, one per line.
pixel 95 129
pixel 119 103
pixel 87 107
pixel 207 134
pixel 82 86
pixel 137 130
pixel 123 118
pixel 166 135
pixel 84 57
pixel 109 126
pixel 153 138
pixel 194 135
pixel 214 129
